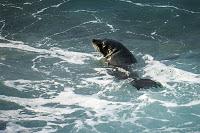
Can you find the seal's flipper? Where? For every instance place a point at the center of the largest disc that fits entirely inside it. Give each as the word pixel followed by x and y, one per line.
pixel 145 83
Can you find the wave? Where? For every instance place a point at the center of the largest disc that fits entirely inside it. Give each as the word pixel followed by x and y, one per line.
pixel 68 56
pixel 166 74
pixel 147 99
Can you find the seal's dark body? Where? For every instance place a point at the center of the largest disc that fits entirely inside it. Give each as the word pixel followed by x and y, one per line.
pixel 115 53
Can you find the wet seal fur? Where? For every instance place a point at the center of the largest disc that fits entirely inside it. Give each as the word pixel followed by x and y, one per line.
pixel 120 58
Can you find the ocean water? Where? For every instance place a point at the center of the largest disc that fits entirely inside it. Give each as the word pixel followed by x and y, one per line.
pixel 52 80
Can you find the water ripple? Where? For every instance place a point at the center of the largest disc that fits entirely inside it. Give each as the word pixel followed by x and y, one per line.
pixel 159 6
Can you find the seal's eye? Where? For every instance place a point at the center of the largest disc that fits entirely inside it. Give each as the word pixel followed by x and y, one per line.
pixel 103 44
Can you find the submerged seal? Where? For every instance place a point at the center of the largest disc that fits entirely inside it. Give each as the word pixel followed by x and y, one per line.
pixel 120 58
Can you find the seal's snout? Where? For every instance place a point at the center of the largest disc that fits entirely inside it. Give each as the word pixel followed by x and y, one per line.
pixel 96 41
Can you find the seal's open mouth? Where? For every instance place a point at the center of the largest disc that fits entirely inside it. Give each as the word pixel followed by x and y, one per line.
pixel 96 44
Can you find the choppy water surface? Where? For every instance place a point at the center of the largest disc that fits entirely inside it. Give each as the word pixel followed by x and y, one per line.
pixel 51 80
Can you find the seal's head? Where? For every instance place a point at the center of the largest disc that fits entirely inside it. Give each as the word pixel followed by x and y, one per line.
pixel 107 46
pixel 100 46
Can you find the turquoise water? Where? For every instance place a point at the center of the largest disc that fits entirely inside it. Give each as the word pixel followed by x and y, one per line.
pixel 52 80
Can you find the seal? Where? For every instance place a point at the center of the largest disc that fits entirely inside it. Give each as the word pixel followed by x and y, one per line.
pixel 120 59
pixel 114 52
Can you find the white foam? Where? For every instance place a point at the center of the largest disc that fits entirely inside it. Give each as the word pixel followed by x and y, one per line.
pixel 13 128
pixel 68 56
pixel 88 11
pixel 27 3
pixel 40 11
pixel 111 27
pixel 102 108
pixel 165 74
pixel 103 80
pixel 44 9
pixel 2 27
pixel 189 104
pixel 2 64
pixel 144 35
pixel 68 97
pixel 147 99
pixel 12 6
pixel 23 85
pixel 73 27
pixel 58 5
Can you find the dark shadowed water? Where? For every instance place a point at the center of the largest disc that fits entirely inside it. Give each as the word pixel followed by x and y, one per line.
pixel 52 80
